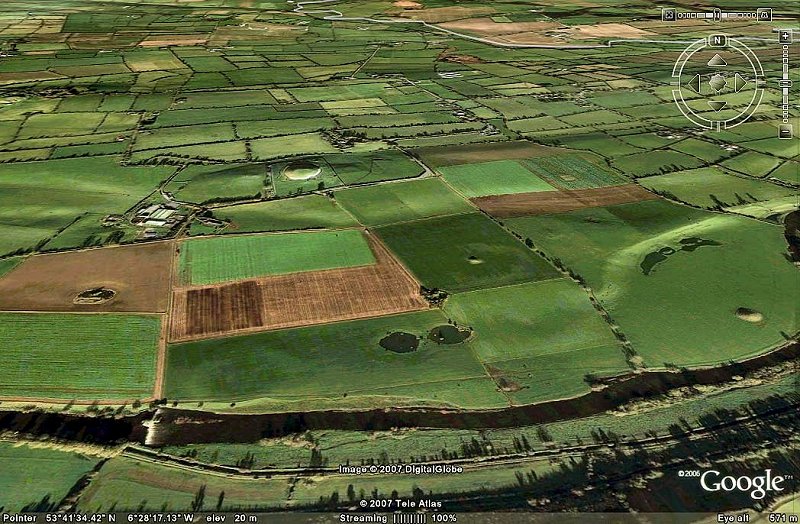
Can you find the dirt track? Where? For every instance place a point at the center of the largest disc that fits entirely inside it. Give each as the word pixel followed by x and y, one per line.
pixel 138 273
pixel 547 202
pixel 298 299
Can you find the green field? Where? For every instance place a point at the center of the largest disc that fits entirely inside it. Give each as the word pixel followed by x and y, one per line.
pixel 706 151
pixel 361 168
pixel 622 98
pixel 514 107
pixel 410 112
pixel 274 128
pixel 294 452
pixel 229 98
pixel 292 145
pixel 476 480
pixel 285 186
pixel 219 259
pixel 103 148
pixel 184 135
pixel 306 212
pixel 788 172
pixel 500 177
pixel 215 183
pixel 39 198
pixel 89 230
pixel 543 336
pixel 128 483
pixel 125 483
pixel 531 126
pixel 341 364
pixel 7 264
pixel 36 479
pixel 649 140
pixel 46 125
pixel 590 118
pixel 774 146
pixel 213 153
pixel 768 209
pixel 573 172
pixel 710 187
pixel 95 357
pixel 601 144
pixel 463 252
pixel 340 91
pixel 529 320
pixel 752 164
pixel 655 163
pixel 691 296
pixel 401 201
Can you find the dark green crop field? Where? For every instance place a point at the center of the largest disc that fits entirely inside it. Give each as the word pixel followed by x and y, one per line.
pixel 464 252
pixel 401 202
pixel 96 357
pixel 38 478
pixel 344 362
pixel 306 212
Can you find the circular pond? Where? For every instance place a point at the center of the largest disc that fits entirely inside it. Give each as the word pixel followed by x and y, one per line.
pixel 400 342
pixel 448 334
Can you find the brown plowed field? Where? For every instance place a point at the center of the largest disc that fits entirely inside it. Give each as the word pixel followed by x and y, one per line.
pixel 220 309
pixel 299 299
pixel 139 274
pixel 547 202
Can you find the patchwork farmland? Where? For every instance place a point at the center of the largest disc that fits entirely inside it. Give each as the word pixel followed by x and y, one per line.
pixel 121 348
pixel 220 259
pixel 296 299
pixel 244 242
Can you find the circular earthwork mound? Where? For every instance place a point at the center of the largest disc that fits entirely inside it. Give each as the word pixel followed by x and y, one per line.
pixel 749 315
pixel 302 170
